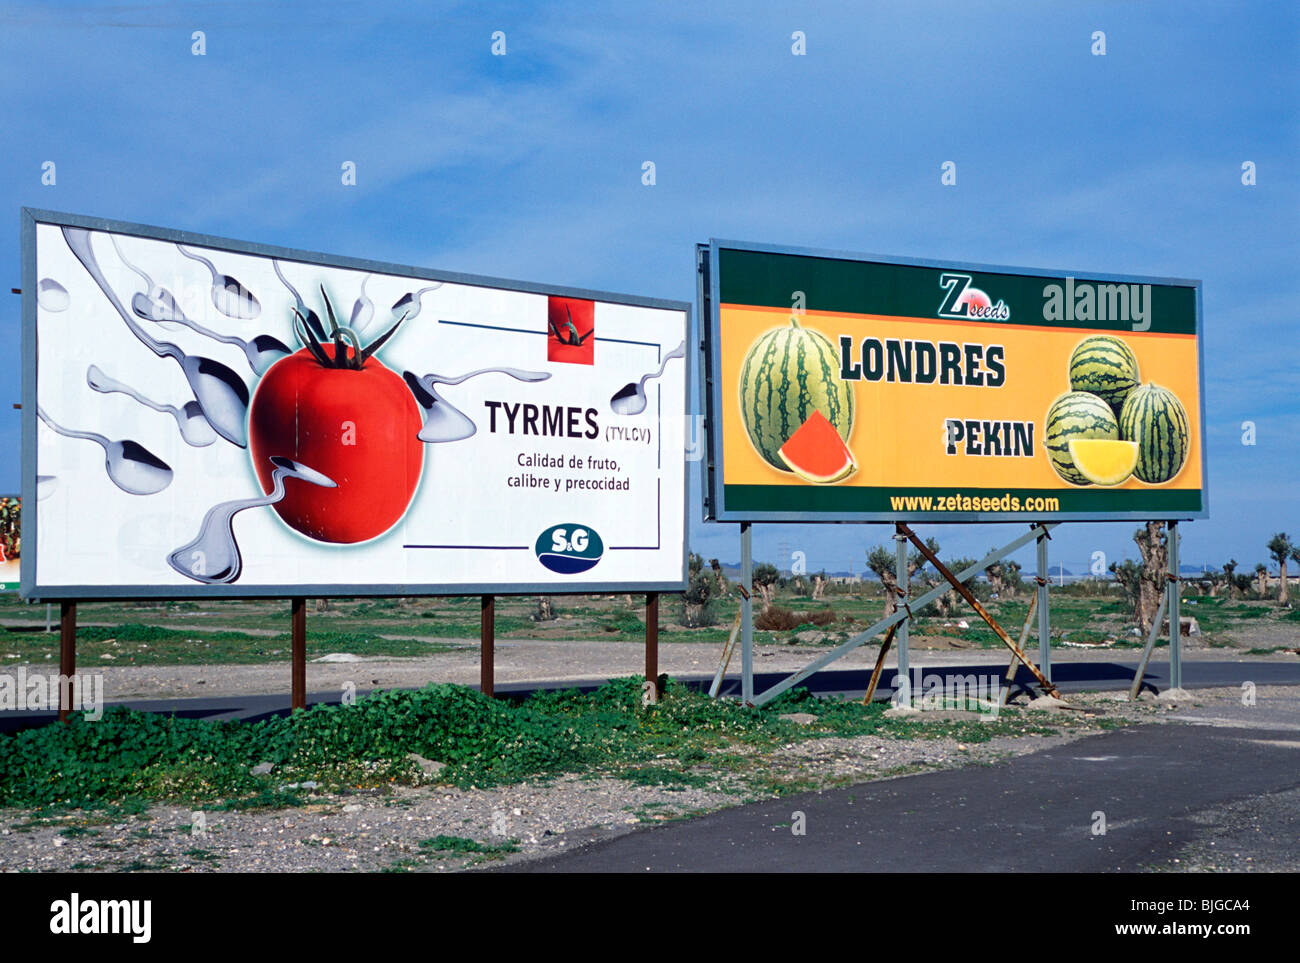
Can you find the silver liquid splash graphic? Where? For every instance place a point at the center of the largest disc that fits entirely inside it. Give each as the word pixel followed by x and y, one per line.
pixel 313 319
pixel 220 392
pixel 194 428
pixel 631 399
pixel 411 300
pixel 213 556
pixel 443 421
pixel 262 352
pixel 130 466
pixel 228 296
pixel 51 295
pixel 363 310
pixel 161 303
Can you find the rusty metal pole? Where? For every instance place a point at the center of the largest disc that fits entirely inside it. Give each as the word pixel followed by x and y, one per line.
pixel 487 645
pixel 880 664
pixel 1015 662
pixel 67 655
pixel 983 613
pixel 652 640
pixel 298 655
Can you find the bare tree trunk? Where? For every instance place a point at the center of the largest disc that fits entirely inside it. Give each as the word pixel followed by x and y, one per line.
pixel 819 587
pixel 1154 546
pixel 545 610
pixel 891 592
pixel 720 581
pixel 1281 592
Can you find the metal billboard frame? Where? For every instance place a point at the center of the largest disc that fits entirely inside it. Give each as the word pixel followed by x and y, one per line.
pixel 708 293
pixel 30 590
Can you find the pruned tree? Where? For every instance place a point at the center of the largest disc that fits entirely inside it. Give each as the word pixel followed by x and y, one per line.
pixel 1153 544
pixel 948 603
pixel 545 609
pixel 1004 578
pixel 1261 580
pixel 1280 548
pixel 881 561
pixel 1228 579
pixel 1128 574
pixel 721 586
pixel 699 593
pixel 766 578
pixel 819 585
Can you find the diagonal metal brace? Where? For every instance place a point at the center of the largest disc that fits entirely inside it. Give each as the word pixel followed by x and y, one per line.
pixel 983 613
pixel 921 601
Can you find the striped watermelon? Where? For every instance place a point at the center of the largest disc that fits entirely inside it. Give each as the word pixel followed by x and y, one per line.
pixel 787 375
pixel 1155 419
pixel 1076 414
pixel 1106 367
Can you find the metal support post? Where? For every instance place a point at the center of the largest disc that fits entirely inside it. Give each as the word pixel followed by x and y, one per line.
pixel 920 602
pixel 1044 616
pixel 298 654
pixel 487 645
pixel 960 588
pixel 67 655
pixel 746 615
pixel 1151 644
pixel 1175 625
pixel 900 573
pixel 652 640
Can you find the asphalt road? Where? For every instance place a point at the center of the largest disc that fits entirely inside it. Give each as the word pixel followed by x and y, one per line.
pixel 848 683
pixel 1211 792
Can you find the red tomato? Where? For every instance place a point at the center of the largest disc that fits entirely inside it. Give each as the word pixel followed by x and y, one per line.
pixel 359 427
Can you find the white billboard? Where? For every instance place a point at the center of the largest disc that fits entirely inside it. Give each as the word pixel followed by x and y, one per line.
pixel 208 417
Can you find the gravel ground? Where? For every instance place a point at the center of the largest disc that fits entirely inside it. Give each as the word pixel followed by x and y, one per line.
pixel 382 830
pixel 537 660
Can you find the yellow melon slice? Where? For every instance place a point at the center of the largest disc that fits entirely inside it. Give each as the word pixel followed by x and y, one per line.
pixel 1103 461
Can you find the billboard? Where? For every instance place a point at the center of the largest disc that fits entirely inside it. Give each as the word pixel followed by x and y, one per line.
pixel 11 508
pixel 210 417
pixel 845 387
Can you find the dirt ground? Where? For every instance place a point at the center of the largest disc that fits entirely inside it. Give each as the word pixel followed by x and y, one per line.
pixel 539 660
pixel 399 830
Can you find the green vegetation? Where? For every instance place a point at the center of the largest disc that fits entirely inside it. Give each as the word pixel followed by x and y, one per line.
pixel 462 845
pixel 129 759
pixel 230 632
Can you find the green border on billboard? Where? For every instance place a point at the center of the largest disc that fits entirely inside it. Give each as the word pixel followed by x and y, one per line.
pixel 744 273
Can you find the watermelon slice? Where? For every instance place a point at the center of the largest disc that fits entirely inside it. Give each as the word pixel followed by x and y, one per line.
pixel 816 453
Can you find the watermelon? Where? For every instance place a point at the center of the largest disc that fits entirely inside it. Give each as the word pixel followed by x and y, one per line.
pixel 1154 418
pixel 1076 414
pixel 1105 366
pixel 817 453
pixel 788 373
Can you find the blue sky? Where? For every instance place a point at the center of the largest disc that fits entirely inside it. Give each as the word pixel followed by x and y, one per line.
pixel 529 166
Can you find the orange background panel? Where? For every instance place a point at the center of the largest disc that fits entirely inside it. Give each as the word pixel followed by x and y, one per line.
pixel 899 436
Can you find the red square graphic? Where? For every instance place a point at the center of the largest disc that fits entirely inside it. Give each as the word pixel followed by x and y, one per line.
pixel 571 330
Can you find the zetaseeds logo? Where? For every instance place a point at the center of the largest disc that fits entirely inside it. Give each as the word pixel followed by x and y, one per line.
pixel 969 303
